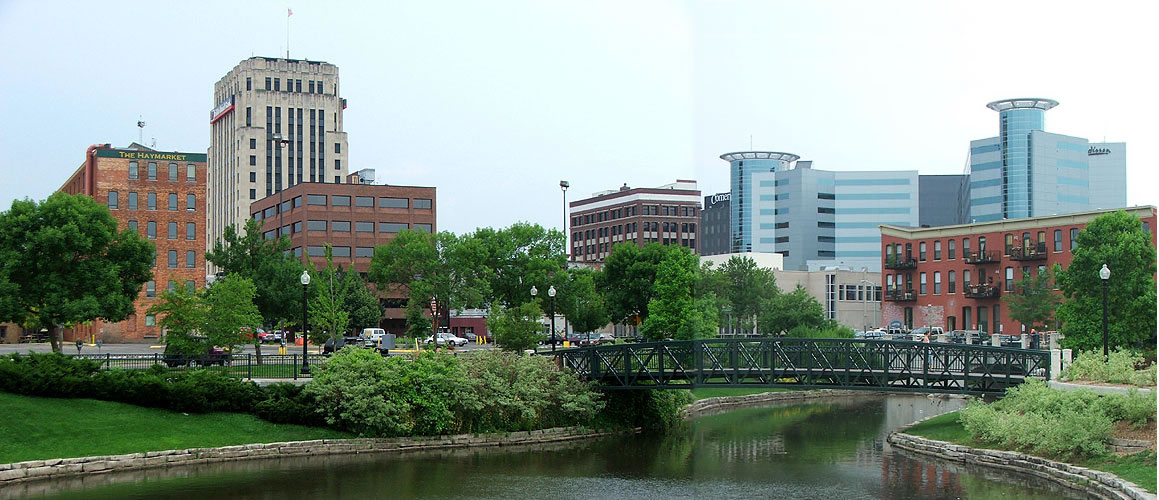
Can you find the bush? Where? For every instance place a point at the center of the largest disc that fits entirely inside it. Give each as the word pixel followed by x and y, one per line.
pixel 654 410
pixel 510 392
pixel 287 403
pixel 1120 368
pixel 47 375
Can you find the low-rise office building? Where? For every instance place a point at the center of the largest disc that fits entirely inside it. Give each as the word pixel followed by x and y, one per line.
pixel 667 214
pixel 954 277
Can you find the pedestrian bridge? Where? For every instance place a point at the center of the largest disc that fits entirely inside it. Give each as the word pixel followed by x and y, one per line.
pixel 876 365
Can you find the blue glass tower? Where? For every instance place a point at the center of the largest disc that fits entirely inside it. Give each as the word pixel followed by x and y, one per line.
pixel 742 167
pixel 1017 119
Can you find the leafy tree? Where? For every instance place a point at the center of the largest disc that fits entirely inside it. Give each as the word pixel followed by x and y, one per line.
pixel 1034 303
pixel 62 262
pixel 182 314
pixel 518 328
pixel 1116 239
pixel 515 258
pixel 581 303
pixel 327 313
pixel 785 311
pixel 674 311
pixel 627 278
pixel 231 318
pixel 744 287
pixel 361 302
pixel 418 325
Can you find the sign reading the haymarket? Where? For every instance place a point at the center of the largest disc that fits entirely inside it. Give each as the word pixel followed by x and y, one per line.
pixel 130 154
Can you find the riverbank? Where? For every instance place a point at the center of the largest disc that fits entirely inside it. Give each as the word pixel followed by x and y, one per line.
pixel 1097 483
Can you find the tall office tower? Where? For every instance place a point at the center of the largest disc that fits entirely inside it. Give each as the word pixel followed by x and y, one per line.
pixel 1028 172
pixel 943 200
pixel 817 218
pixel 277 123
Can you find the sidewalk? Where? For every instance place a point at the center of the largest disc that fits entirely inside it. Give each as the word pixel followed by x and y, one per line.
pixel 1100 389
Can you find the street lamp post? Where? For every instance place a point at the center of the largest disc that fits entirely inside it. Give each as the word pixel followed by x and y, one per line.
pixel 551 293
pixel 1105 276
pixel 305 278
pixel 535 292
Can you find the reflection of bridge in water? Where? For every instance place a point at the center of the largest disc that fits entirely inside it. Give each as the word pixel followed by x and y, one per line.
pixel 879 365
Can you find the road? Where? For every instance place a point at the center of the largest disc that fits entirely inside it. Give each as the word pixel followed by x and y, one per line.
pixel 156 348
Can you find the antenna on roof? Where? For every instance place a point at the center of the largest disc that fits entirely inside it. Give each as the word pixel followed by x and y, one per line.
pixel 140 130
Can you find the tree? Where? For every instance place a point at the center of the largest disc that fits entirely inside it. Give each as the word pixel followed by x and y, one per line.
pixel 361 302
pixel 327 311
pixel 744 287
pixel 581 303
pixel 231 317
pixel 673 310
pixel 627 278
pixel 516 329
pixel 785 311
pixel 182 314
pixel 1034 303
pixel 62 262
pixel 515 258
pixel 1116 239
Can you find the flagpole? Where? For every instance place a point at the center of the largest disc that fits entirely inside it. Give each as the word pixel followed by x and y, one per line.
pixel 288 14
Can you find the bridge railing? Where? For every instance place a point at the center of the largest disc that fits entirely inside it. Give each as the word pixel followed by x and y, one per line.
pixel 783 361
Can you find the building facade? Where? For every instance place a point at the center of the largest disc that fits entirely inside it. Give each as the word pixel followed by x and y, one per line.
pixel 943 200
pixel 667 214
pixel 276 123
pixel 161 195
pixel 353 218
pixel 1028 172
pixel 716 224
pixel 955 276
pixel 817 218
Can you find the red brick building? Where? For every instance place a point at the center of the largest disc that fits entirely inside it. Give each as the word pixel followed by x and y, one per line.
pixel 955 276
pixel 354 218
pixel 667 214
pixel 160 194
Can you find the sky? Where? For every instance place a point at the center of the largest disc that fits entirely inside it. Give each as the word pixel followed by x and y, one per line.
pixel 495 102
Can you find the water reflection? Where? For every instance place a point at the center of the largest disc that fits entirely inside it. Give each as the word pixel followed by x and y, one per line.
pixel 831 449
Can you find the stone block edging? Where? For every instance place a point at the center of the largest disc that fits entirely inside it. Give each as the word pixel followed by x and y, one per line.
pixel 34 470
pixel 1097 483
pixel 705 405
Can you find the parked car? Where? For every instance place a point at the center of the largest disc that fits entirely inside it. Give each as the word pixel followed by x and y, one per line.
pixel 606 338
pixel 959 337
pixel 449 339
pixel 471 337
pixel 212 356
pixel 334 345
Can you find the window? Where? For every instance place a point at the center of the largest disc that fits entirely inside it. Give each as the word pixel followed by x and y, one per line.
pixel 190 173
pixel 297 85
pixel 425 227
pixel 190 258
pixel 337 179
pixel 965 247
pixel 338 148
pixel 364 227
pixel 269 212
pixel 316 251
pixel 190 286
pixel 133 225
pixel 297 228
pixel 1009 243
pixel 151 230
pixel 342 226
pixel 340 201
pixel 268 83
pixel 1058 240
pixel 1074 235
pixel 172 172
pixel 938 250
pixel 284 206
pixel 249 113
pixel 297 201
pixel 364 201
pixel 154 258
pixel 150 320
pixel 152 171
pixel 253 163
pixel 173 202
pixel 316 225
pixel 965 278
pixel 364 251
pixel 132 170
pixel 392 227
pixel 172 230
pixel 253 194
pixel 981 244
pixel 341 251
pixel 253 143
pixel 297 251
pixel 1009 279
pixel 922 283
pixel 316 199
pixel 1147 228
pixel 277 84
pixel 422 204
pixel 337 166
pixel 909 251
pixel 112 200
pixel 951 285
pixel 937 282
pixel 150 288
pixel 190 202
pixel 393 203
pixel 825 210
pixel 826 196
pixel 172 259
pixel 922 251
pixel 190 230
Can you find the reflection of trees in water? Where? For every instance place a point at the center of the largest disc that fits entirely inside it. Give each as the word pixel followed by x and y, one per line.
pixel 910 475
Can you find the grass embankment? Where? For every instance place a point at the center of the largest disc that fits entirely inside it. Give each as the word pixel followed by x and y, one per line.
pixel 42 428
pixel 716 392
pixel 1139 468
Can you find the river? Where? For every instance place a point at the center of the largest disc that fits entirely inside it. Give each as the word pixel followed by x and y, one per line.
pixel 829 449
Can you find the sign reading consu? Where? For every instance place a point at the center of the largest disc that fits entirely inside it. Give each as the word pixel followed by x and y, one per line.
pixel 1093 151
pixel 221 110
pixel 717 198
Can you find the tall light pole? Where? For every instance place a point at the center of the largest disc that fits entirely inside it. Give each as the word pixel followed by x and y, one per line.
pixel 563 185
pixel 305 278
pixel 535 292
pixel 551 293
pixel 1105 275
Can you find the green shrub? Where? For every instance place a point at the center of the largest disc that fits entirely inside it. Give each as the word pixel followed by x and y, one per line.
pixel 654 410
pixel 1119 368
pixel 510 392
pixel 286 403
pixel 48 375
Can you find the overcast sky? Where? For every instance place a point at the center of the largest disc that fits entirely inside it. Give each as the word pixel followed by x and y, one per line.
pixel 494 102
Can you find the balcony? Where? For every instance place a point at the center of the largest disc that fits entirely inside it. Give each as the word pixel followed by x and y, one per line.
pixel 1030 252
pixel 981 291
pixel 899 295
pixel 983 257
pixel 906 262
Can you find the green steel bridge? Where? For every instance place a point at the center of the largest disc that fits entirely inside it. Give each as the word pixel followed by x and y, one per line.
pixel 876 365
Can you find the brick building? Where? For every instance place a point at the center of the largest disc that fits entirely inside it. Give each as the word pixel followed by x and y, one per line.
pixel 161 195
pixel 354 218
pixel 954 276
pixel 667 214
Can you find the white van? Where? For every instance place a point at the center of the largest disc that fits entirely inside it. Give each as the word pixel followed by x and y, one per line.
pixel 372 335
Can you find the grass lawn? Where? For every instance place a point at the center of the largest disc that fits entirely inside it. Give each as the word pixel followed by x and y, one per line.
pixel 716 392
pixel 1139 468
pixel 42 428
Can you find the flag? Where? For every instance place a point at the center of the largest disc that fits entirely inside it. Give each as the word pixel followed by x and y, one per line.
pixel 289 12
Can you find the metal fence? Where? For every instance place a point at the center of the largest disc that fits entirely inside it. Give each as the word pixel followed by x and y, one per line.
pixel 284 366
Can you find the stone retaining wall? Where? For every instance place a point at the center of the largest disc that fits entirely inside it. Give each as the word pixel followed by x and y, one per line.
pixel 706 405
pixel 65 467
pixel 1096 483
